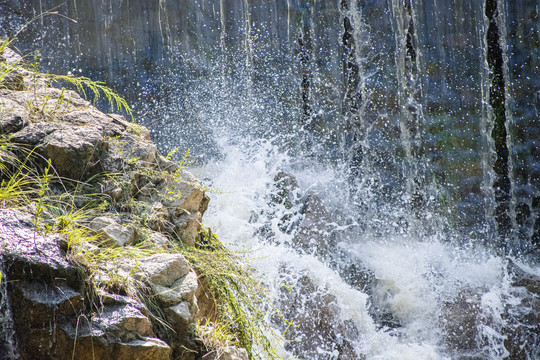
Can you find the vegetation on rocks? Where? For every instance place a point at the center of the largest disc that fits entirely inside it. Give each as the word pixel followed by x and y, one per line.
pixel 128 219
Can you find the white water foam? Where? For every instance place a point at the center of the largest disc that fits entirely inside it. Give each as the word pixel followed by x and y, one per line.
pixel 416 277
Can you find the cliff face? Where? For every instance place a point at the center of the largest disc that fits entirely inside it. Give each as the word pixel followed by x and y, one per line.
pixel 92 226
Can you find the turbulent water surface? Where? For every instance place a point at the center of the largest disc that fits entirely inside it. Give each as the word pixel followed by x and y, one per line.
pixel 379 158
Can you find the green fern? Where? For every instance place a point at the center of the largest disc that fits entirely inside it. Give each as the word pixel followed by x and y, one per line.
pixel 96 87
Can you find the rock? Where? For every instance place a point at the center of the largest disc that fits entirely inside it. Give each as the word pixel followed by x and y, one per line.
pixel 59 311
pixel 142 349
pixel 124 321
pixel 13 117
pixel 187 226
pixel 32 256
pixel 128 149
pixel 109 299
pixel 524 278
pixel 39 302
pixel 317 322
pixel 158 240
pixel 182 289
pixel 74 152
pixel 182 193
pixel 460 320
pixel 163 269
pixel 286 186
pixel 312 234
pixel 114 233
pixel 181 317
pixel 228 353
pixel 94 344
pixel 181 204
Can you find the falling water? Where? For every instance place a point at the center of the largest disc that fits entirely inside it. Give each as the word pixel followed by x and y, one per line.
pixel 8 344
pixel 352 148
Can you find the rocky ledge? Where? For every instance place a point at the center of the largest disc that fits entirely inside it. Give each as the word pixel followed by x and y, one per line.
pixel 90 226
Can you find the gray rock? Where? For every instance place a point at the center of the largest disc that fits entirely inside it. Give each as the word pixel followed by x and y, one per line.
pixel 317 321
pixel 181 318
pixel 524 278
pixel 13 117
pixel 228 353
pixel 124 321
pixel 182 289
pixel 114 233
pixel 460 320
pixel 74 152
pixel 91 343
pixel 163 269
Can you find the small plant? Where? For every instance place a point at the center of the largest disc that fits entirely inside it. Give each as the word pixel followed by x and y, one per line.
pixel 242 301
pixel 96 87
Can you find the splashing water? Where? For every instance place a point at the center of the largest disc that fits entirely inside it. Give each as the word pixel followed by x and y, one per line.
pixel 423 283
pixel 351 146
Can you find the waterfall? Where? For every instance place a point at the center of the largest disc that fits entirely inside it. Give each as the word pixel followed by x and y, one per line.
pixel 378 159
pixel 8 343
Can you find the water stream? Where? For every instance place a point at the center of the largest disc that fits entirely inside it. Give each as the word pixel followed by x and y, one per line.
pixel 379 158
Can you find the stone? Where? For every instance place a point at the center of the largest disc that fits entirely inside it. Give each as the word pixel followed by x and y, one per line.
pixel 38 302
pixel 31 255
pixel 228 353
pixel 178 193
pixel 13 117
pixel 124 321
pixel 187 226
pixel 109 299
pixel 114 233
pixel 86 343
pixel 181 318
pixel 286 188
pixel 460 320
pixel 126 150
pixel 158 239
pixel 521 277
pixel 317 321
pixel 312 234
pixel 142 349
pixel 182 289
pixel 163 269
pixel 74 152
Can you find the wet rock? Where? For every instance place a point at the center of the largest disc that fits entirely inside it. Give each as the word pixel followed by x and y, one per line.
pixel 460 320
pixel 313 235
pixel 124 321
pixel 89 343
pixel 317 322
pixel 522 277
pixel 522 316
pixel 286 186
pixel 32 256
pixel 38 302
pixel 110 299
pixel 522 328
